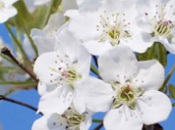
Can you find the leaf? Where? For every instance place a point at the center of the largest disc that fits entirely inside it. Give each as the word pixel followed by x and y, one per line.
pixel 172 91
pixel 157 51
pixel 167 78
pixel 25 21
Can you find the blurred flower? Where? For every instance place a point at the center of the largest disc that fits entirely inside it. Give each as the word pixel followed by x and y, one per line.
pixel 7 10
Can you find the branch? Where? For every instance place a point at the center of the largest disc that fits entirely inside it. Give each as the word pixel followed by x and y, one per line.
pixel 19 103
pixel 99 126
pixel 8 53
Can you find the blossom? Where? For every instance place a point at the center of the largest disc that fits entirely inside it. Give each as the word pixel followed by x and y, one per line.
pixel 111 24
pixel 7 10
pixel 157 20
pixel 59 71
pixel 128 91
pixel 70 120
pixel 41 2
pixel 47 35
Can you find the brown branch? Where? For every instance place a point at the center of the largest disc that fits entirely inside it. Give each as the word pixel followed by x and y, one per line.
pixel 19 103
pixel 99 126
pixel 8 53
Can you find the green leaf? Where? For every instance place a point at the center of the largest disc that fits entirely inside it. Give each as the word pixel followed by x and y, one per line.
pixel 172 91
pixel 157 51
pixel 167 78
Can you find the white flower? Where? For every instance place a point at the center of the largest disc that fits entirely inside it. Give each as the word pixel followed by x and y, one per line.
pixel 130 92
pixel 69 4
pixel 59 71
pixel 157 20
pixel 45 39
pixel 70 120
pixel 41 2
pixel 7 10
pixel 111 25
pixel 30 5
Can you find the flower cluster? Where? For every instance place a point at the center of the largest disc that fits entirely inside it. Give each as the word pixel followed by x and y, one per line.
pixel 125 88
pixel 109 38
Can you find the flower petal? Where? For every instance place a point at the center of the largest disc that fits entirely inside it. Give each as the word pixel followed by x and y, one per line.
pixel 49 122
pixel 97 48
pixel 93 95
pixel 155 106
pixel 120 119
pixel 118 64
pixel 56 101
pixel 87 123
pixel 43 68
pixel 150 75
pixel 84 61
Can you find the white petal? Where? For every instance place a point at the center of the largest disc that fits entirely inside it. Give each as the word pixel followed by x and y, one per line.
pixel 44 43
pixel 150 75
pixel 139 43
pixel 78 25
pixel 87 123
pixel 71 13
pixel 97 48
pixel 7 13
pixel 118 64
pixel 69 4
pixel 40 124
pixel 43 88
pixel 67 43
pixel 168 45
pixel 120 119
pixel 84 61
pixel 44 66
pixel 55 22
pixel 9 2
pixel 88 5
pixel 49 122
pixel 93 94
pixel 155 106
pixel 41 2
pixel 56 101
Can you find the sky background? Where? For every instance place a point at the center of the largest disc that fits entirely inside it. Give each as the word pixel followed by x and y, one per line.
pixel 16 117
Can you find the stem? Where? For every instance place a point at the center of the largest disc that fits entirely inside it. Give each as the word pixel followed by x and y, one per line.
pixel 33 44
pixel 97 121
pixel 18 102
pixel 16 40
pixel 94 70
pixel 99 126
pixel 16 83
pixel 7 52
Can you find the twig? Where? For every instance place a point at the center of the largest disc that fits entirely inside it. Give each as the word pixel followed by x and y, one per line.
pixel 8 53
pixel 99 126
pixel 18 102
pixel 95 60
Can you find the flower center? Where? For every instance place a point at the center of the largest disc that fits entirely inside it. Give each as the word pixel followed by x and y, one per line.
pixel 113 28
pixel 162 24
pixel 126 94
pixel 65 71
pixel 73 119
pixel 69 75
pixel 1 4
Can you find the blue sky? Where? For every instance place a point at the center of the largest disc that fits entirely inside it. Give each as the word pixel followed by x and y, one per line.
pixel 15 117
